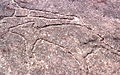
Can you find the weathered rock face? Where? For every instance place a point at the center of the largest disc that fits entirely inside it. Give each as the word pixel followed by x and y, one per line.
pixel 5 10
pixel 59 37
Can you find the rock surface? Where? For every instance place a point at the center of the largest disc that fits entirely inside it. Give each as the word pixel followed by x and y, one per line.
pixel 59 37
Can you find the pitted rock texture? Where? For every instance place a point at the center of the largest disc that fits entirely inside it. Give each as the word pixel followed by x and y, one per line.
pixel 59 37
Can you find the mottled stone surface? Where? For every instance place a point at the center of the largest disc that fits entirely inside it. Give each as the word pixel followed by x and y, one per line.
pixel 59 37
